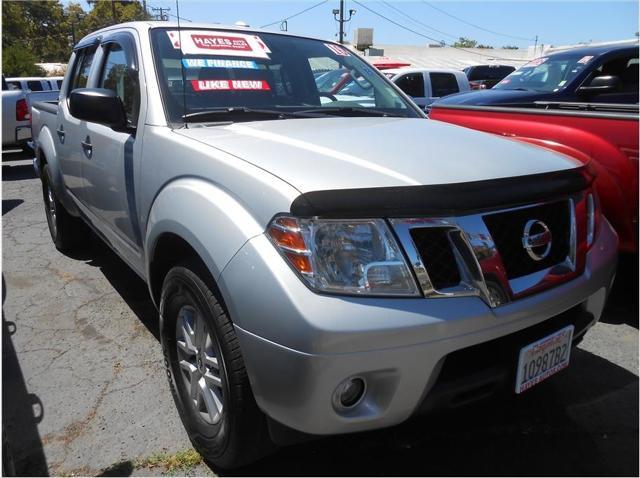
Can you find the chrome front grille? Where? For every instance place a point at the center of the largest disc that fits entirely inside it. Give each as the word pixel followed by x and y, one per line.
pixel 506 229
pixel 484 254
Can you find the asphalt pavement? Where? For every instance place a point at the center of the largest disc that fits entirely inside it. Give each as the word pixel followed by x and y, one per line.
pixel 84 390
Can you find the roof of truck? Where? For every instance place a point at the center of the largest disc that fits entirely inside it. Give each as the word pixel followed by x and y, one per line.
pixel 148 25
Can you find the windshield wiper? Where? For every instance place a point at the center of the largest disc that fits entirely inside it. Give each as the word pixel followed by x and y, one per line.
pixel 241 110
pixel 349 110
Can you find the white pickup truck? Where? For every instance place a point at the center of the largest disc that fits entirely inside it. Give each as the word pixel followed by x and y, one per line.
pixel 426 85
pixel 321 265
pixel 16 112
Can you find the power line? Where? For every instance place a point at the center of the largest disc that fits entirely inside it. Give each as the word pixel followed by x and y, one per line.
pixel 404 27
pixel 409 17
pixel 474 25
pixel 163 15
pixel 295 14
pixel 170 14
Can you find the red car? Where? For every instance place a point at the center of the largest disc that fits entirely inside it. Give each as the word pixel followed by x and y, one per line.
pixel 606 135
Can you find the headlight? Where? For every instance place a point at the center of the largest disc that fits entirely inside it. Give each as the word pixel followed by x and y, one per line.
pixel 357 256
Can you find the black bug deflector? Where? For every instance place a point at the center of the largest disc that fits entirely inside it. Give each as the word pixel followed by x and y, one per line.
pixel 442 199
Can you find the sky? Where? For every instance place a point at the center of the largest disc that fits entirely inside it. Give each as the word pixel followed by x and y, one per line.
pixel 515 22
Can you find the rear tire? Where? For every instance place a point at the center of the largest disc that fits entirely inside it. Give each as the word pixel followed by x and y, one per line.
pixel 201 352
pixel 68 233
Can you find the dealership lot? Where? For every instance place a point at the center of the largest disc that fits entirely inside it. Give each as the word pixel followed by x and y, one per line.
pixel 84 385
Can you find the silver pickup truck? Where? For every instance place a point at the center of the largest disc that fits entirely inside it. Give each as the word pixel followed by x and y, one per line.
pixel 320 265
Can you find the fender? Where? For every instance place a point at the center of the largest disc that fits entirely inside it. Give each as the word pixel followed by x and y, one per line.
pixel 46 146
pixel 209 218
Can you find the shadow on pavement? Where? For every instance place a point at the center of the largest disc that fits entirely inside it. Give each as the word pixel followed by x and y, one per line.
pixel 128 284
pixel 10 204
pixel 18 172
pixel 21 411
pixel 17 154
pixel 622 306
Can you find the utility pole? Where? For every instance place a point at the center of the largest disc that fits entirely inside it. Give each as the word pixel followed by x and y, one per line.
pixel 341 20
pixel 161 15
pixel 535 47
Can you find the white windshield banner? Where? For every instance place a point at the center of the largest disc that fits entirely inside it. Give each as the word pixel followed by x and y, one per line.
pixel 207 42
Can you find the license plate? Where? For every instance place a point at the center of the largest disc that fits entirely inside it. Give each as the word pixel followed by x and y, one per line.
pixel 541 359
pixel 23 133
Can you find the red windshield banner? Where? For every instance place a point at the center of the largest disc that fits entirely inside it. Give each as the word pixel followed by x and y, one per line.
pixel 230 85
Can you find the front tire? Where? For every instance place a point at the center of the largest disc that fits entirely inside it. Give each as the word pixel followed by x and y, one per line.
pixel 67 232
pixel 206 371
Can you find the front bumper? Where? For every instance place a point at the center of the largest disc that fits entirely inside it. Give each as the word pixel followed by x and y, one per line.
pixel 299 345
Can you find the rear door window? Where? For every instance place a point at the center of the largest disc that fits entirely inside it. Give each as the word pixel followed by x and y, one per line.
pixel 412 84
pixel 14 85
pixel 443 84
pixel 35 85
pixel 82 67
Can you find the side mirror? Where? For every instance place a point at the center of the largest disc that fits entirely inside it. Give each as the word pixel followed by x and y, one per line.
pixel 98 105
pixel 600 84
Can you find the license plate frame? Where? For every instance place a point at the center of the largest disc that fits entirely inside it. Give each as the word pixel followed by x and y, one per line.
pixel 532 366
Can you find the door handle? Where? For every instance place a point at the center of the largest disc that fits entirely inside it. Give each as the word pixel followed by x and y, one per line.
pixel 60 132
pixel 87 147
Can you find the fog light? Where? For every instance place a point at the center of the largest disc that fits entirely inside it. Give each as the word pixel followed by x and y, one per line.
pixel 349 393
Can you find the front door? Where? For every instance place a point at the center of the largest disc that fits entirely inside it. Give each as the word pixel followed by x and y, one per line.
pixel 109 173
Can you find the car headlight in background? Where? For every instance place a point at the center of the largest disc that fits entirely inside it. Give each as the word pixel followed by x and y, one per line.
pixel 357 257
pixel 593 213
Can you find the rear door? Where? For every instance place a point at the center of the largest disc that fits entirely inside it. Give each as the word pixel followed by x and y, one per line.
pixel 69 133
pixel 442 84
pixel 109 173
pixel 414 86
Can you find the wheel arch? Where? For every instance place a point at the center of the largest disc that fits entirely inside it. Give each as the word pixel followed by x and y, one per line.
pixel 46 154
pixel 193 218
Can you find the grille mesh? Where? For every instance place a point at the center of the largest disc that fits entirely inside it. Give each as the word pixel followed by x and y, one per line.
pixel 507 229
pixel 435 251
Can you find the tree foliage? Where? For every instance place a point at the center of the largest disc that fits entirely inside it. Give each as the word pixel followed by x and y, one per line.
pixel 46 30
pixel 511 47
pixel 463 42
pixel 16 61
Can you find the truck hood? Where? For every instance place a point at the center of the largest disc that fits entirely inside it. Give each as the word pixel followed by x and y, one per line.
pixel 344 153
pixel 496 97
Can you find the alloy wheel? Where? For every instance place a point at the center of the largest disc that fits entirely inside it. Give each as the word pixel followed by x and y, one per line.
pixel 198 358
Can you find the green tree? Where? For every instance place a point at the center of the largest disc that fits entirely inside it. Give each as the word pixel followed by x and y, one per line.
pixel 463 42
pixel 48 30
pixel 487 47
pixel 511 47
pixel 106 12
pixel 36 26
pixel 18 61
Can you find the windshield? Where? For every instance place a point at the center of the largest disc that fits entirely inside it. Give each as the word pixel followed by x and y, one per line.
pixel 230 70
pixel 548 74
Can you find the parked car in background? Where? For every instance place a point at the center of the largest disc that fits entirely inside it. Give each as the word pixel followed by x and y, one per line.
pixel 16 117
pixel 18 94
pixel 605 135
pixel 484 77
pixel 595 74
pixel 35 84
pixel 386 63
pixel 425 86
pixel 322 265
